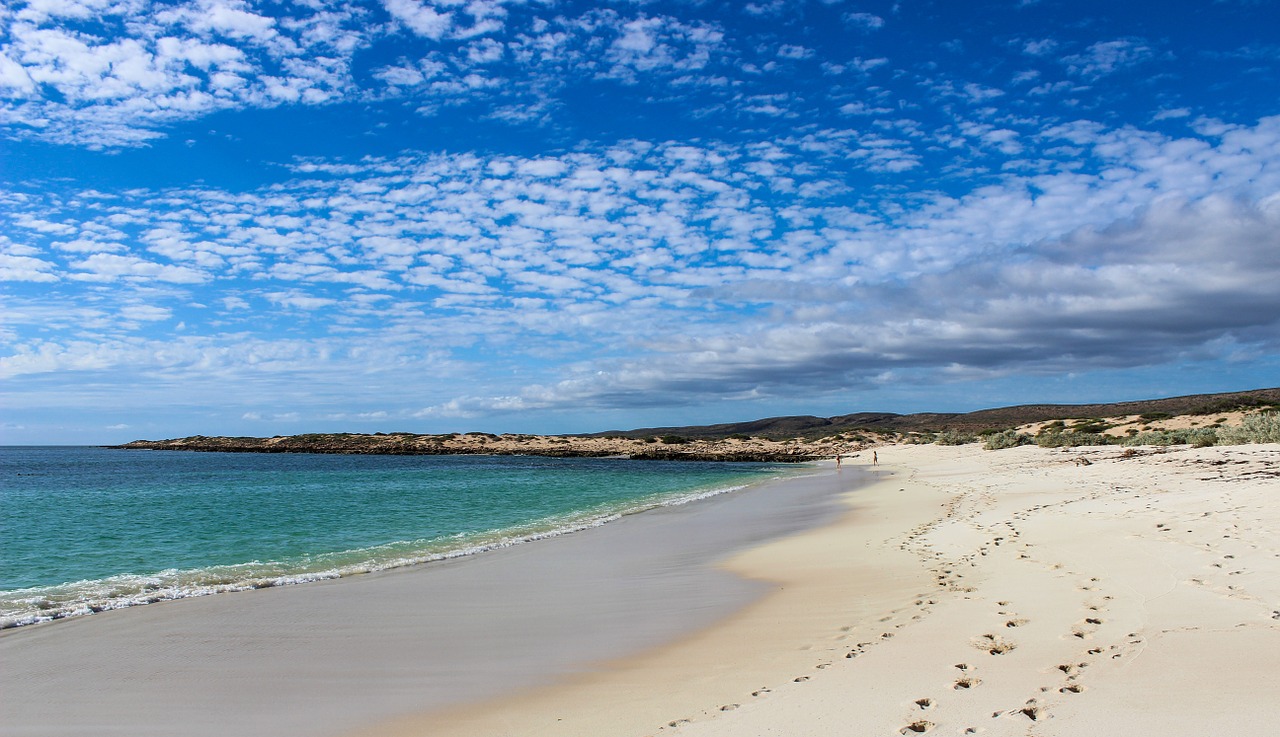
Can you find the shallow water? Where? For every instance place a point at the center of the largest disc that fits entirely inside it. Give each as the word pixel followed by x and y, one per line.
pixel 342 655
pixel 88 529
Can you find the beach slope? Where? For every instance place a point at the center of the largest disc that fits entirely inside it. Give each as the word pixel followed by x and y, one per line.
pixel 1023 591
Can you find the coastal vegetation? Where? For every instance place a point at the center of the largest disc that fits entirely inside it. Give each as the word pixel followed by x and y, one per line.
pixel 1260 427
pixel 1238 418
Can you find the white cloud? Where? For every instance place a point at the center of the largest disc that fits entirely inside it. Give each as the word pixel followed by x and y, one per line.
pixel 145 313
pixel 867 21
pixel 421 19
pixel 229 18
pixel 14 79
pixel 132 67
pixel 1040 47
pixel 26 268
pixel 1107 57
pixel 862 108
pixel 107 267
pixel 655 44
pixel 542 168
pixel 793 51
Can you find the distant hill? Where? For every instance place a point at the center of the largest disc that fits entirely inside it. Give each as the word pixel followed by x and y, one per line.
pixel 986 419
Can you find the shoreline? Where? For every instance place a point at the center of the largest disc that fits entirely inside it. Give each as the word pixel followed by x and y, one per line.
pixel 336 655
pixel 1010 592
pixel 94 596
pixel 1053 592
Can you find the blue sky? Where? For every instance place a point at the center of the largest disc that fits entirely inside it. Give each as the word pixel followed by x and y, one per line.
pixel 259 218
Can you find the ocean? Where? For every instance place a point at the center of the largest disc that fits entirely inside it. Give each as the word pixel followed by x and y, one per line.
pixel 87 529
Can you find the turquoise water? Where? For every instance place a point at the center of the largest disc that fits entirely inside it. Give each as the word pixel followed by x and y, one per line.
pixel 88 529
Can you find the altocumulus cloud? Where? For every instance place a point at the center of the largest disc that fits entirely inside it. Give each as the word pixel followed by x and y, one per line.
pixel 554 258
pixel 112 73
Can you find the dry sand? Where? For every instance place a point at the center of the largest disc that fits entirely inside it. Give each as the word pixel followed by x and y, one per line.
pixel 1017 592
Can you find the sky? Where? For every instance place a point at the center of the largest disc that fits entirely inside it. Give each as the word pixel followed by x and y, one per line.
pixel 266 217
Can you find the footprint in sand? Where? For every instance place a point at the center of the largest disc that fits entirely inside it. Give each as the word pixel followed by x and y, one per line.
pixel 966 682
pixel 1071 688
pixel 994 644
pixel 918 727
pixel 1032 710
pixel 1071 669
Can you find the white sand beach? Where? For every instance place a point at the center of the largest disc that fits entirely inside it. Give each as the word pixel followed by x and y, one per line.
pixel 976 592
pixel 1021 591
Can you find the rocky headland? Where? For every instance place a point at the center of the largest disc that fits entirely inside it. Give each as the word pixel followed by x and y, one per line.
pixel 668 447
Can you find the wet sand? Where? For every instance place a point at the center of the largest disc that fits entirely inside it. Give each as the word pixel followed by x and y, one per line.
pixel 331 657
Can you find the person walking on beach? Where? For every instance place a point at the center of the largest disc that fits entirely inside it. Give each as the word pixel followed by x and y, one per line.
pixel 875 458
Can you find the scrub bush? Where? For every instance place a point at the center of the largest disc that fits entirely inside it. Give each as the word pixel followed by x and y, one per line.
pixel 1259 428
pixel 955 437
pixel 1007 439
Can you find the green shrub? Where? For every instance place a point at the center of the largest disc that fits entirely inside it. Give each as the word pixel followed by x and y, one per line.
pixel 955 437
pixel 1053 439
pixel 1259 428
pixel 1200 437
pixel 1089 425
pixel 673 440
pixel 1007 439
pixel 1060 439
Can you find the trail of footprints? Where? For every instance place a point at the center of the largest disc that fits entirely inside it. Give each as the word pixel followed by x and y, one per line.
pixel 1037 706
pixel 966 506
pixel 997 644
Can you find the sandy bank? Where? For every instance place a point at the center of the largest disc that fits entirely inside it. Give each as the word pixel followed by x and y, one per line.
pixel 970 592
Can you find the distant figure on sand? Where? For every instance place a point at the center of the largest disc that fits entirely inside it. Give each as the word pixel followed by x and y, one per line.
pixel 838 461
pixel 875 458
